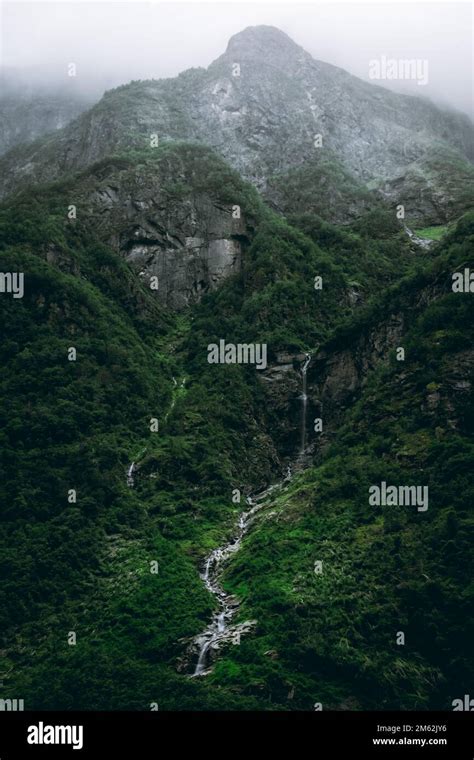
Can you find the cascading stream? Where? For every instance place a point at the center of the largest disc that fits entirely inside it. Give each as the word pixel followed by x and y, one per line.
pixel 220 626
pixel 130 479
pixel 304 405
pixel 133 465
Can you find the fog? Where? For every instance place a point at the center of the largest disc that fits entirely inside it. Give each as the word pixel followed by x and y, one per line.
pixel 111 43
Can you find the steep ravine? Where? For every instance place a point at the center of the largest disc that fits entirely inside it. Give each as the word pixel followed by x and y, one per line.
pixel 221 632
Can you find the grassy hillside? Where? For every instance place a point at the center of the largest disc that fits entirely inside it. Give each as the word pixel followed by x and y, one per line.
pixel 86 566
pixel 331 637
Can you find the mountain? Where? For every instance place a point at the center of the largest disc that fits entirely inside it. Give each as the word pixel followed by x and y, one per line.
pixel 28 112
pixel 335 582
pixel 132 467
pixel 263 122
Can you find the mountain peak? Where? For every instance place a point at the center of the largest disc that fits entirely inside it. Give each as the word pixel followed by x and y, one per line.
pixel 262 40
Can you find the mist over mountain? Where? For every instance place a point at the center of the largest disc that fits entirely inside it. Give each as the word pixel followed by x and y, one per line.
pixel 117 42
pixel 263 118
pixel 237 429
pixel 29 113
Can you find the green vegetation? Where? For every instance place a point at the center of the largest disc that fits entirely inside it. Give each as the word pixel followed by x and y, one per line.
pixel 321 186
pixel 331 637
pixel 85 566
pixel 433 233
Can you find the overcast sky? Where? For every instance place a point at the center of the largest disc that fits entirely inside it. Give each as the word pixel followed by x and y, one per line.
pixel 112 43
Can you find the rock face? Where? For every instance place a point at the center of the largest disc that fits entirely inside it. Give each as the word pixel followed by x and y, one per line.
pixel 182 240
pixel 337 376
pixel 340 375
pixel 282 386
pixel 260 105
pixel 184 274
pixel 339 371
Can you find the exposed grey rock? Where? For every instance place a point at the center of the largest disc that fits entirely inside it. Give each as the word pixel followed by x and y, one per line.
pixel 338 374
pixel 421 242
pixel 189 241
pixel 336 377
pixel 263 122
pixel 285 357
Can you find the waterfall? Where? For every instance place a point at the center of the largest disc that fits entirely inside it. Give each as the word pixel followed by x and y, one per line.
pixel 219 628
pixel 201 663
pixel 130 480
pixel 304 404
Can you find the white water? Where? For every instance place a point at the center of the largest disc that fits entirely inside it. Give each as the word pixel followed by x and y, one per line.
pixel 422 242
pixel 304 405
pixel 130 480
pixel 219 627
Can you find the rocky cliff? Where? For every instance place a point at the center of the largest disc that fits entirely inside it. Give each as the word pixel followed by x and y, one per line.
pixel 261 106
pixel 90 359
pixel 176 228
